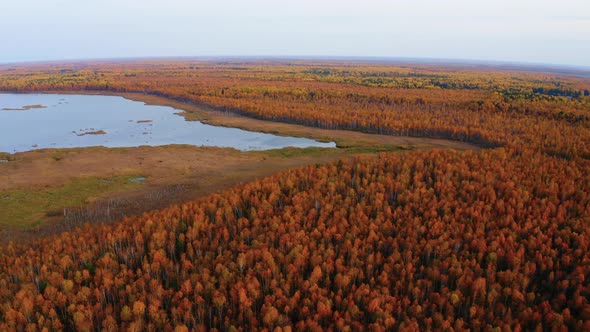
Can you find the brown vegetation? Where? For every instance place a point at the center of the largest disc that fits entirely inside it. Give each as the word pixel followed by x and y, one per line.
pixel 542 111
pixel 426 240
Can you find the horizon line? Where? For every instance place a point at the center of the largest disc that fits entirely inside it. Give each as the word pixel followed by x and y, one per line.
pixel 344 58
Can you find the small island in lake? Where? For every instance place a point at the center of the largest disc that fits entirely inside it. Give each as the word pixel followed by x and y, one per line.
pixel 92 132
pixel 24 108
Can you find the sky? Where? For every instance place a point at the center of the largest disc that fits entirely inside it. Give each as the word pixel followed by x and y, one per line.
pixel 530 31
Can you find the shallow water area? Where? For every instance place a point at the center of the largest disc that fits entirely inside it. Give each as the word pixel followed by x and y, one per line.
pixel 68 121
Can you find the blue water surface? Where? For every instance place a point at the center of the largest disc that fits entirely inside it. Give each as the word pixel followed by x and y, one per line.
pixel 67 120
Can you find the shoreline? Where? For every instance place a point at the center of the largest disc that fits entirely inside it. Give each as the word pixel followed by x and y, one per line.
pixel 342 138
pixel 185 167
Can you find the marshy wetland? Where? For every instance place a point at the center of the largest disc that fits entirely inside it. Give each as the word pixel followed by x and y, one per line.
pixel 48 189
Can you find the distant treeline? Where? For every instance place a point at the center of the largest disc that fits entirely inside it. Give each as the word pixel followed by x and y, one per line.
pixel 562 92
pixel 541 111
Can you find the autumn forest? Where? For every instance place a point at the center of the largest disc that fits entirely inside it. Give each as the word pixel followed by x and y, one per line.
pixel 492 238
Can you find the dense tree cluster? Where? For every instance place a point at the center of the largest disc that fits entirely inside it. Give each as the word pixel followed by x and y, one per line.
pixel 428 240
pixel 425 240
pixel 548 112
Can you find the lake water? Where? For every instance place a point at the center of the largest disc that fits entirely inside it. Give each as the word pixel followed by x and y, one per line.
pixel 37 121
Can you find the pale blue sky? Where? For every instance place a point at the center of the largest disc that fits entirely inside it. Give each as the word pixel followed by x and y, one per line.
pixel 537 31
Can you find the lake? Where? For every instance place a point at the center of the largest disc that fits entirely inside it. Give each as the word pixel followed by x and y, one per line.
pixel 38 121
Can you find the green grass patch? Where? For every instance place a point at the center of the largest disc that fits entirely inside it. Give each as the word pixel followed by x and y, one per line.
pixel 28 207
pixel 375 149
pixel 6 156
pixel 193 116
pixel 59 154
pixel 290 152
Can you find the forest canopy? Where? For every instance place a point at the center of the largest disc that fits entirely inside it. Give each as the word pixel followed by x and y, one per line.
pixel 537 110
pixel 440 239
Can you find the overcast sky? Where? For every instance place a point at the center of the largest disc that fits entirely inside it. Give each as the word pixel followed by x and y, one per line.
pixel 537 31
